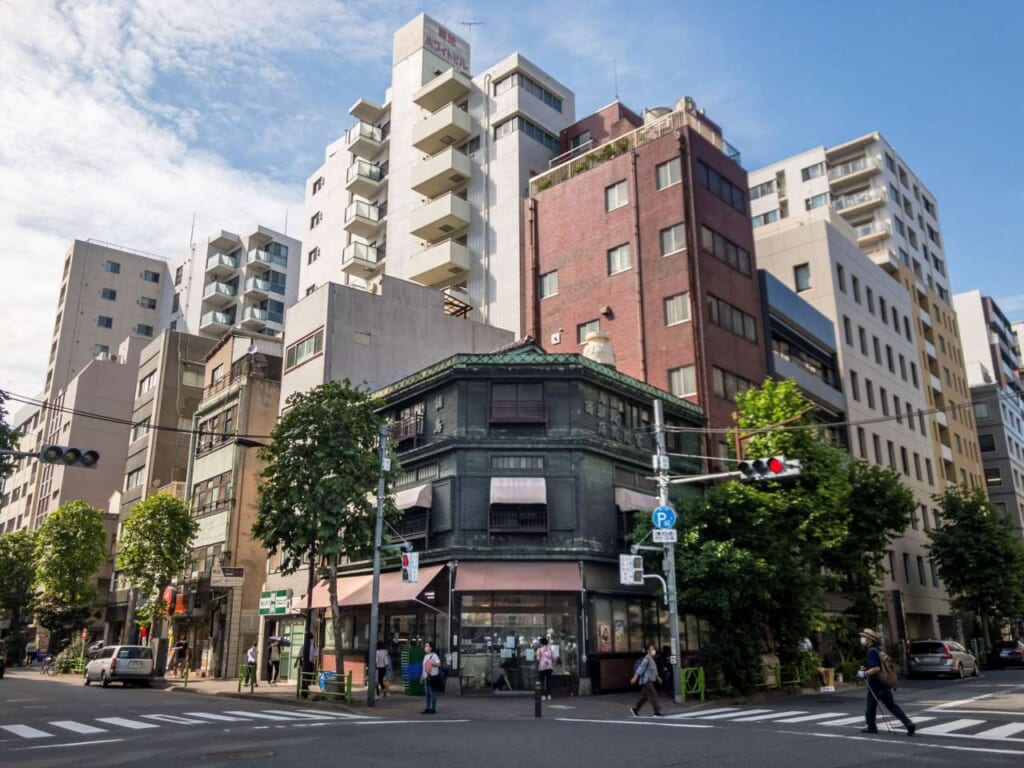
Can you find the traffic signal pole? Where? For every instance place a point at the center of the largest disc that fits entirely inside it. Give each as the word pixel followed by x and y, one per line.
pixel 378 535
pixel 662 465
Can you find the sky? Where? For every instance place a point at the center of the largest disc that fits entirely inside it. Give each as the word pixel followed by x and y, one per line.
pixel 124 120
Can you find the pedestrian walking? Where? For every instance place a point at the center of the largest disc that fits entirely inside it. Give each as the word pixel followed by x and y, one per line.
pixel 274 657
pixel 545 668
pixel 646 675
pixel 878 691
pixel 251 657
pixel 429 677
pixel 382 663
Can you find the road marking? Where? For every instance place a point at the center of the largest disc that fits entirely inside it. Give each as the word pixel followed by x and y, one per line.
pixel 174 719
pixel 954 725
pixel 700 713
pixel 729 715
pixel 72 744
pixel 216 716
pixel 809 718
pixel 71 725
pixel 411 722
pixel 950 704
pixel 912 743
pixel 845 721
pixel 771 716
pixel 26 732
pixel 260 715
pixel 1001 732
pixel 316 715
pixel 662 721
pixel 124 722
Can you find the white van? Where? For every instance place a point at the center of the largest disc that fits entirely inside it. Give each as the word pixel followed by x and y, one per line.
pixel 131 664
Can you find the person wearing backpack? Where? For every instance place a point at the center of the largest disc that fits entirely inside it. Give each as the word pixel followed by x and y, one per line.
pixel 645 673
pixel 880 673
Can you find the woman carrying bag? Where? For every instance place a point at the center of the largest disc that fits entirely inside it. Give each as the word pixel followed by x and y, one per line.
pixel 429 677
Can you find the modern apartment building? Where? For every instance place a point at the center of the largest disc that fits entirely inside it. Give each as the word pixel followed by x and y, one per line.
pixel 896 223
pixel 643 232
pixel 20 486
pixel 887 403
pixel 992 352
pixel 168 387
pixel 426 186
pixel 234 281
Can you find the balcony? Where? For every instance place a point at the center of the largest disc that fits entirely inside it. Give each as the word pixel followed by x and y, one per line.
pixel 940 419
pixel 947 454
pixel 362 260
pixel 855 170
pixel 929 349
pixel 859 202
pixel 449 125
pixel 936 384
pixel 220 294
pixel 364 178
pixel 439 218
pixel 872 232
pixel 441 264
pixel 926 319
pixel 441 173
pixel 516 518
pixel 365 219
pixel 366 111
pixel 517 412
pixel 409 428
pixel 365 140
pixel 260 261
pixel 221 265
pixel 447 87
pixel 254 318
pixel 887 259
pixel 257 288
pixel 216 323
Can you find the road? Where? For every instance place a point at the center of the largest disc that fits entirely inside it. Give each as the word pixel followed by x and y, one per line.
pixel 48 722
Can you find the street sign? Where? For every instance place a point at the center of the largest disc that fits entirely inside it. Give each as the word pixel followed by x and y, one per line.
pixel 664 535
pixel 274 602
pixel 663 517
pixel 227 577
pixel 631 569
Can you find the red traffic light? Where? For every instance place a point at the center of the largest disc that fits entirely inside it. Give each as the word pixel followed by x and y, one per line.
pixel 405 560
pixel 776 465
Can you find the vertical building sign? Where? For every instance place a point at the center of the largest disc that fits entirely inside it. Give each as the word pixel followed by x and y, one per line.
pixel 446 45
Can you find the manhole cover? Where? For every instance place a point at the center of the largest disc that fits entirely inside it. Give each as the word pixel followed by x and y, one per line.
pixel 238 754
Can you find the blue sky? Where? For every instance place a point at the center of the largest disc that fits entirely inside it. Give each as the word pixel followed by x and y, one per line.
pixel 125 118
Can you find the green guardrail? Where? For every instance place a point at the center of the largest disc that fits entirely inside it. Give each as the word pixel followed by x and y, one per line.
pixel 328 686
pixel 78 666
pixel 692 682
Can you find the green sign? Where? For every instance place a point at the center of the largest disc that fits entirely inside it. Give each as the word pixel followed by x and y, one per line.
pixel 275 602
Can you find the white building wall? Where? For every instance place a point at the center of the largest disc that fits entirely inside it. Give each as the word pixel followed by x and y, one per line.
pixel 974 335
pixel 323 245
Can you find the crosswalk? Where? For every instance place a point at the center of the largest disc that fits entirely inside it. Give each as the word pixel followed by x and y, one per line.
pixel 934 724
pixel 144 722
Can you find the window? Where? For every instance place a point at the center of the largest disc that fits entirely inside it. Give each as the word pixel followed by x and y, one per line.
pixel 931 477
pixel 732 319
pixel 134 478
pixel 530 129
pixel 140 429
pixel 591 326
pixel 848 330
pixel 178 274
pixel 856 289
pixel 854 386
pixel 841 277
pixel 619 259
pixel 876 442
pixel 147 382
pixel 673 239
pixel 147 302
pixel 897 224
pixel 883 396
pixel 547 284
pixel 318 184
pixel 682 382
pixel 192 377
pixel 863 337
pixel 313 255
pixel 315 219
pixel 150 276
pixel 176 303
pixel 144 330
pixel 869 388
pixel 981 410
pixel 580 139
pixel 112 267
pixel 903 367
pixel 906 567
pixel 616 195
pixel 668 173
pixel 727 384
pixel 889 359
pixel 301 351
pixel 765 218
pixel 871 299
pixel 802 277
pixel 725 250
pixel 904 461
pixel 878 349
pixel 986 442
pixel 917 474
pixel 531 86
pixel 862 443
pixel 677 309
pixel 817 201
pixel 721 187
pixel 100 349
pixel 812 171
pixel 768 188
pixel 993 476
pixel 105 322
pixel 921 571
pixel 109 294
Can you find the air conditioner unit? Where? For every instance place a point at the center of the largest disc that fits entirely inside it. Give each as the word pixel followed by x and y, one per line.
pixel 114 358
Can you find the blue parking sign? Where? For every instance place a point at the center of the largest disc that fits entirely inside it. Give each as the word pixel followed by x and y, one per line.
pixel 663 517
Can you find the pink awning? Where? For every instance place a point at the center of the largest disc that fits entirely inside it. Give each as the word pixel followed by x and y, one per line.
pixel 357 590
pixel 499 576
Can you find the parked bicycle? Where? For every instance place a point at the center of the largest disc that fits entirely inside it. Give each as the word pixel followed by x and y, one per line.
pixel 48 667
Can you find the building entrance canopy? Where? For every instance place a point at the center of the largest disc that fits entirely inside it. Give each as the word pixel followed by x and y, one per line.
pixel 358 590
pixel 498 576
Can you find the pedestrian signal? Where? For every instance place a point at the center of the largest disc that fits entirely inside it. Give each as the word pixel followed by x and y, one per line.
pixel 411 567
pixel 769 468
pixel 69 457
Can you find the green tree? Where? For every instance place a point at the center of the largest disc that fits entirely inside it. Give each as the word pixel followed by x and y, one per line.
pixel 17 585
pixel 322 466
pixel 156 541
pixel 71 545
pixel 8 438
pixel 978 557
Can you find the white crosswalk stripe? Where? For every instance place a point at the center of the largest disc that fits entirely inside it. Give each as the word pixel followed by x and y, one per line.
pixel 76 727
pixel 845 721
pixel 124 722
pixel 729 715
pixel 26 732
pixel 262 715
pixel 702 712
pixel 955 725
pixel 810 718
pixel 1001 732
pixel 316 715
pixel 769 716
pixel 174 719
pixel 218 716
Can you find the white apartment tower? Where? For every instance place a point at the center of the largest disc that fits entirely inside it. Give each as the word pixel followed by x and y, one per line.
pixel 895 219
pixel 426 186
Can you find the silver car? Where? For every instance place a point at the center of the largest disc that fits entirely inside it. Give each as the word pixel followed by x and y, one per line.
pixel 941 657
pixel 130 664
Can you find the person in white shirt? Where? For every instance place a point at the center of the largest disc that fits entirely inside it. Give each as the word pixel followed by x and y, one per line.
pixel 251 658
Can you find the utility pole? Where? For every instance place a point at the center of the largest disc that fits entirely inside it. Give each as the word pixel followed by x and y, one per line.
pixel 661 465
pixel 378 534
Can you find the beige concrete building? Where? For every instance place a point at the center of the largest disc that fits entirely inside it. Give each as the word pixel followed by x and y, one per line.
pixel 886 392
pixel 240 397
pixel 896 223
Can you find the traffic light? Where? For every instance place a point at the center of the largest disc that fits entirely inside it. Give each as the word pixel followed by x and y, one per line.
pixel 410 567
pixel 769 468
pixel 69 457
pixel 631 569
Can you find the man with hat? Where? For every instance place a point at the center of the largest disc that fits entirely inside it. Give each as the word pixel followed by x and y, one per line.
pixel 878 692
